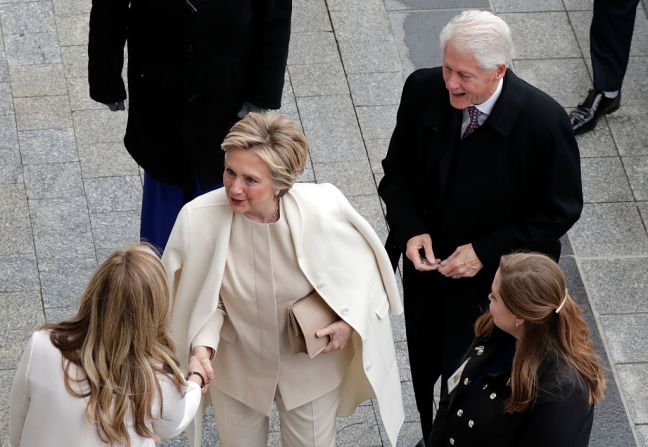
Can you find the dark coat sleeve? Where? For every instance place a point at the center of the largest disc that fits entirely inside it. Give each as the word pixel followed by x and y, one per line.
pixel 398 187
pixel 270 44
pixel 108 28
pixel 557 198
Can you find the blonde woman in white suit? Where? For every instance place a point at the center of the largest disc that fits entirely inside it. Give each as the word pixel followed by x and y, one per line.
pixel 108 375
pixel 239 256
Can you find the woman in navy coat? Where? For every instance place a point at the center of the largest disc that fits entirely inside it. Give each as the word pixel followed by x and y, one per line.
pixel 531 377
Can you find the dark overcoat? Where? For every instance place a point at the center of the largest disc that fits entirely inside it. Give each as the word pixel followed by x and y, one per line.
pixel 191 65
pixel 513 184
pixel 474 413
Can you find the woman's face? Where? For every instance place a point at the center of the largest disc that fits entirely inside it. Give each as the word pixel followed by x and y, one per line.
pixel 502 316
pixel 248 184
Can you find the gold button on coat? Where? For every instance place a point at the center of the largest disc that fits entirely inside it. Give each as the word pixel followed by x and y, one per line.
pixel 471 423
pixel 493 396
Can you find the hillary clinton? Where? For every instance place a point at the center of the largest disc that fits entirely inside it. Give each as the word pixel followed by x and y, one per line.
pixel 237 259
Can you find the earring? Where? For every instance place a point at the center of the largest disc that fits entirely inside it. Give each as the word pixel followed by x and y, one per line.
pixel 517 324
pixel 276 193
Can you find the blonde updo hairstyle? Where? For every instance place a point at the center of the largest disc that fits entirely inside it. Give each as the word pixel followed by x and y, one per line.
pixel 274 138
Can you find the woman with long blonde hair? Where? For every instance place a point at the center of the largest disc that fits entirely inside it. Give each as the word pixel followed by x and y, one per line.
pixel 531 377
pixel 108 375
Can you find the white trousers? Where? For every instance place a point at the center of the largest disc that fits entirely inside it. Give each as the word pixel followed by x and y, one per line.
pixel 310 425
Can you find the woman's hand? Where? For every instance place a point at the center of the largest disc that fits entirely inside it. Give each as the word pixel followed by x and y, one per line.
pixel 339 333
pixel 195 365
pixel 203 355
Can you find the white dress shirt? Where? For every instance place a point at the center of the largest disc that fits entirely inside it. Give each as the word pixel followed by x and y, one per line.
pixel 485 108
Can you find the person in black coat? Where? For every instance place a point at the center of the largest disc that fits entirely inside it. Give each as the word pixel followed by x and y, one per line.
pixel 194 67
pixel 480 164
pixel 531 377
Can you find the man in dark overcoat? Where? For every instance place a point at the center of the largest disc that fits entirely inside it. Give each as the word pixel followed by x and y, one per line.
pixel 480 164
pixel 194 66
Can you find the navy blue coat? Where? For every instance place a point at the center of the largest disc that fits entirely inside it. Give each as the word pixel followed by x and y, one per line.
pixel 473 414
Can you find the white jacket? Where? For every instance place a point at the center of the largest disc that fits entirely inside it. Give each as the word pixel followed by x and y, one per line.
pixel 43 412
pixel 343 259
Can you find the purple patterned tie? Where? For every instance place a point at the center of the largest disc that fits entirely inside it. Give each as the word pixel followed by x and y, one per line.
pixel 473 112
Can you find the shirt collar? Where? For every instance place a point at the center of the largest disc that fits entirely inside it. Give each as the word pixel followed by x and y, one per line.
pixel 486 107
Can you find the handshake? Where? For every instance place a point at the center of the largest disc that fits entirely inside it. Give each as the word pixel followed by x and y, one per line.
pixel 200 370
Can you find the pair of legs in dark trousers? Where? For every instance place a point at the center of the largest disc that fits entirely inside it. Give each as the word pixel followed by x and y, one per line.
pixel 610 38
pixel 439 317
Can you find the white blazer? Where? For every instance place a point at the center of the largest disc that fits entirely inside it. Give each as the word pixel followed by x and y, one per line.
pixel 43 412
pixel 340 255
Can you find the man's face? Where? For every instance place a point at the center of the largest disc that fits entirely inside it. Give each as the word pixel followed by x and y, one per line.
pixel 466 81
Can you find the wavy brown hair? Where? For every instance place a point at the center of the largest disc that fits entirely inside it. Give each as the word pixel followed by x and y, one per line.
pixel 120 341
pixel 532 286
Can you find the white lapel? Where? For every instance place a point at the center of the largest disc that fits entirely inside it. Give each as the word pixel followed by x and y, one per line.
pixel 295 220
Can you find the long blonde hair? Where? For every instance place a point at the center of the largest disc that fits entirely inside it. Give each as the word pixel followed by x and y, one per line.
pixel 119 339
pixel 532 286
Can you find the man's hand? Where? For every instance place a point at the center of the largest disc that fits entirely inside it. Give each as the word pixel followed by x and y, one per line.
pixel 339 333
pixel 115 106
pixel 248 107
pixel 412 251
pixel 463 263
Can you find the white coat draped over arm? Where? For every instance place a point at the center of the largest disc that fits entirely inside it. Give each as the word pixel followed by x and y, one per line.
pixel 340 255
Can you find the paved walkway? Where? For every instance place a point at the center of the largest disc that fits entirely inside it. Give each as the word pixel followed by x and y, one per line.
pixel 69 193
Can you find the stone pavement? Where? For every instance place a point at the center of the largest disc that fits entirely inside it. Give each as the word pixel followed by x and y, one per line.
pixel 69 192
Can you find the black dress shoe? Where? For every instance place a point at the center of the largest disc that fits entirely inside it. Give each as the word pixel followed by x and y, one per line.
pixel 585 117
